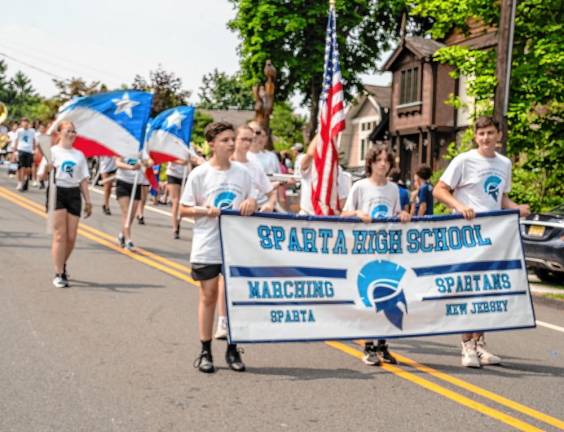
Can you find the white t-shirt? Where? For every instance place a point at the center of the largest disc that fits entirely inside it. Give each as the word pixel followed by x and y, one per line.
pixel 25 138
pixel 209 187
pixel 128 176
pixel 377 201
pixel 479 182
pixel 175 170
pixel 71 166
pixel 344 182
pixel 107 164
pixel 267 160
pixel 12 135
pixel 260 181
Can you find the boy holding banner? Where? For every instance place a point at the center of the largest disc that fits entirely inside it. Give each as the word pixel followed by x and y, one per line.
pixel 215 185
pixel 478 181
pixel 372 198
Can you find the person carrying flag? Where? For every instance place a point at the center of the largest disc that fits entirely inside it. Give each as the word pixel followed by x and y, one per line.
pixel 215 185
pixel 71 181
pixel 108 170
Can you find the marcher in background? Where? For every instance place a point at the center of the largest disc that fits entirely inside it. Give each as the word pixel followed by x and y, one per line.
pixel 108 169
pixel 424 198
pixel 478 181
pixel 25 146
pixel 71 180
pixel 395 176
pixel 372 198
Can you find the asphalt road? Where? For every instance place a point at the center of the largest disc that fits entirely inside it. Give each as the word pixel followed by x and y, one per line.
pixel 114 352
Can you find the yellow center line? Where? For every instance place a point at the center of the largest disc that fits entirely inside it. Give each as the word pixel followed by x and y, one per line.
pixel 102 241
pixel 443 391
pixel 107 240
pixel 479 390
pixel 105 235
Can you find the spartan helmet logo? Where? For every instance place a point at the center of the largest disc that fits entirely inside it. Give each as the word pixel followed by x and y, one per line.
pixel 68 167
pixel 380 211
pixel 491 186
pixel 378 286
pixel 224 200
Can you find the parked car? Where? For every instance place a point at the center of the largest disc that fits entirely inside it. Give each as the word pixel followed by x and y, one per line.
pixel 543 237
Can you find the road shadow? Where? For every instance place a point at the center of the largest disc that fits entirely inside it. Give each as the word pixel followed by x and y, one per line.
pixel 18 235
pixel 311 374
pixel 115 287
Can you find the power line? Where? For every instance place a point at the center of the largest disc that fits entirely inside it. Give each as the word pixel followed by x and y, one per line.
pixel 31 66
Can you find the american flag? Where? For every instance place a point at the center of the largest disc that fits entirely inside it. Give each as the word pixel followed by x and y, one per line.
pixel 331 122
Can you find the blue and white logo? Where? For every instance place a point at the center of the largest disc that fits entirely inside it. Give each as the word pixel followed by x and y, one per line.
pixel 378 286
pixel 68 167
pixel 491 186
pixel 379 211
pixel 131 161
pixel 224 200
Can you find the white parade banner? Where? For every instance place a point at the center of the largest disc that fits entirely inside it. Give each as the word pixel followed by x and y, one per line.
pixel 301 278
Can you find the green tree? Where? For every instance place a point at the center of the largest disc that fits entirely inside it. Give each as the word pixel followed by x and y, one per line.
pixel 166 88
pixel 76 87
pixel 292 35
pixel 536 106
pixel 286 126
pixel 17 93
pixel 222 91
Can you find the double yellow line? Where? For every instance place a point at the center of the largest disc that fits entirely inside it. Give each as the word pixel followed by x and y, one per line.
pixel 181 272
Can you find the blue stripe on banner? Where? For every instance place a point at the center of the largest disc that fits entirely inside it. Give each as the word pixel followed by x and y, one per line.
pixel 283 272
pixel 294 303
pixel 467 296
pixel 468 266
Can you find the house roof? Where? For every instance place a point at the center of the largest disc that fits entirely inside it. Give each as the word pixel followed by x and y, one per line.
pixel 382 94
pixel 235 117
pixel 419 46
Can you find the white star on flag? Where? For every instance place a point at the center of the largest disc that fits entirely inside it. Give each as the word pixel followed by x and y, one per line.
pixel 124 105
pixel 175 119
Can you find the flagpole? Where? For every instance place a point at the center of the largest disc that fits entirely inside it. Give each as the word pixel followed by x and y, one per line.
pixel 131 199
pixel 51 196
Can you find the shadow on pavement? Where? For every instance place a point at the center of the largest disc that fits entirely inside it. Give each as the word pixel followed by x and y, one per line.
pixel 311 374
pixel 116 287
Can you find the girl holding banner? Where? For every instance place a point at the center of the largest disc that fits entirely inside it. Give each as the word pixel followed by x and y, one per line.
pixel 372 198
pixel 71 181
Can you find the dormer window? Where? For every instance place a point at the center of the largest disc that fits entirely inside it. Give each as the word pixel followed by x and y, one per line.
pixel 409 86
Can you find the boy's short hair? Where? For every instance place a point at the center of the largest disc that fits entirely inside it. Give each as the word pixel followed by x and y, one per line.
pixel 394 175
pixel 214 129
pixel 24 119
pixel 373 153
pixel 484 122
pixel 424 172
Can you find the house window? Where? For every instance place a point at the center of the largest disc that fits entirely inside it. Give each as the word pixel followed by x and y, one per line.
pixel 362 149
pixel 409 86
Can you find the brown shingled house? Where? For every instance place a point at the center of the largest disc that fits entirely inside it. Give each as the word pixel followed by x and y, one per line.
pixel 421 125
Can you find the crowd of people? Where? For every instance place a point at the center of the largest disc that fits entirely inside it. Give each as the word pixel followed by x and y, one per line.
pixel 239 175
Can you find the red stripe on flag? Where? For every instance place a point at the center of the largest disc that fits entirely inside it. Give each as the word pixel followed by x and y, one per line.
pixel 92 148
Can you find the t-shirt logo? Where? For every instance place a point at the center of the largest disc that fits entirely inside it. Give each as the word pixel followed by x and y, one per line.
pixel 380 211
pixel 131 162
pixel 68 167
pixel 379 287
pixel 25 138
pixel 224 200
pixel 491 186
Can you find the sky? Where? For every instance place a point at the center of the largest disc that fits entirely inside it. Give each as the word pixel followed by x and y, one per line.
pixel 113 40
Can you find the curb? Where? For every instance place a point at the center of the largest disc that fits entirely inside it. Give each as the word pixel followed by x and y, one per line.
pixel 540 298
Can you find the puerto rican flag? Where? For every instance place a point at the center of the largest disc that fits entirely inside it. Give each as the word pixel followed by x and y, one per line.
pixel 168 135
pixel 108 124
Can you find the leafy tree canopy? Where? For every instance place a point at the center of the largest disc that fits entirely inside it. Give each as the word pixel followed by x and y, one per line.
pixel 222 91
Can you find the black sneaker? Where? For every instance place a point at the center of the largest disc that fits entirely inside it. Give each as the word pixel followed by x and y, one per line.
pixel 141 220
pixel 106 210
pixel 177 234
pixel 59 282
pixel 384 354
pixel 371 357
pixel 204 362
pixel 233 359
pixel 65 274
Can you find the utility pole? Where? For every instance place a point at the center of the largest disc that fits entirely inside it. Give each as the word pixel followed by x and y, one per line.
pixel 503 66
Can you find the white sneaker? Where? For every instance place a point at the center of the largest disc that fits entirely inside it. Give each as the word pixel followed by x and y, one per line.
pixel 19 186
pixel 470 355
pixel 486 357
pixel 221 331
pixel 60 282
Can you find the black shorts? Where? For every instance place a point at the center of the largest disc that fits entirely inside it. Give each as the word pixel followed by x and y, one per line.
pixel 110 173
pixel 123 189
pixel 69 199
pixel 174 180
pixel 202 272
pixel 25 159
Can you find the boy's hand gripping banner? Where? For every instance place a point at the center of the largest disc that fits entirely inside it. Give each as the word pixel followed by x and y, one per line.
pixel 292 278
